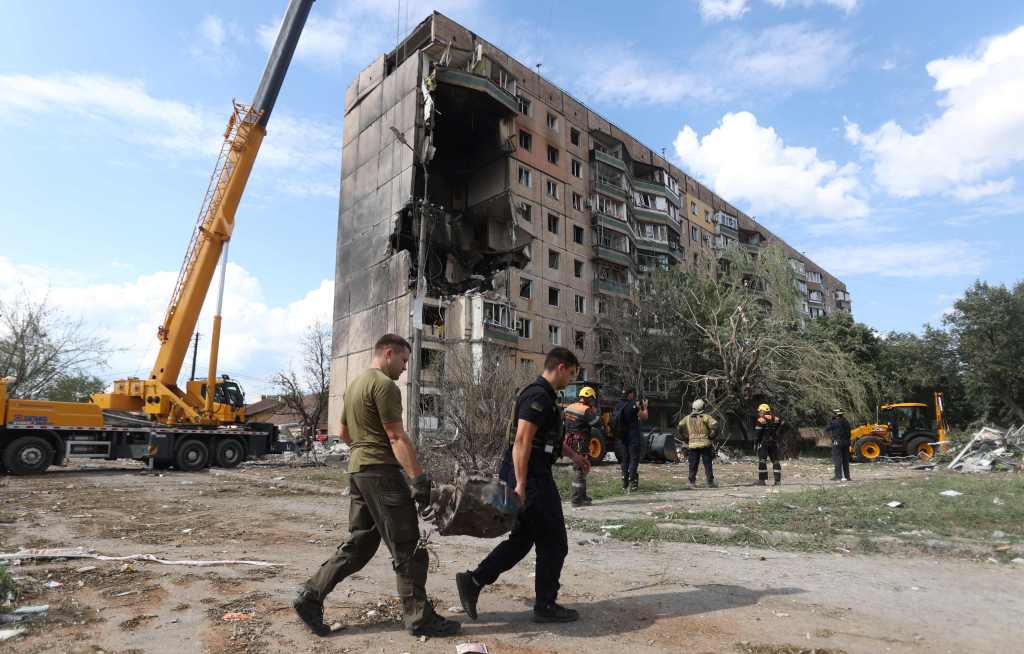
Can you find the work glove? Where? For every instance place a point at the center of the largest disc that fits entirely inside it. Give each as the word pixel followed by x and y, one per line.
pixel 421 494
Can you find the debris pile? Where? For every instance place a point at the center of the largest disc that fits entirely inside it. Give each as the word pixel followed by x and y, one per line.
pixel 991 449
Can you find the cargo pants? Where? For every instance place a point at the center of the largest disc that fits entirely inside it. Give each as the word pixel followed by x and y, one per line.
pixel 765 450
pixel 841 459
pixel 578 442
pixel 381 508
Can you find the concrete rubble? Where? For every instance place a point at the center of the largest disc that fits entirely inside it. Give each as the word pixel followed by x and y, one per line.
pixel 991 449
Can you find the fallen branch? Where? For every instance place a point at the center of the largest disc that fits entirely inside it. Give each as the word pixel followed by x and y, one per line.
pixel 82 553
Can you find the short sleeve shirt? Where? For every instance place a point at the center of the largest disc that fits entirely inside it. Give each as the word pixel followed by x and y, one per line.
pixel 538 404
pixel 371 400
pixel 631 419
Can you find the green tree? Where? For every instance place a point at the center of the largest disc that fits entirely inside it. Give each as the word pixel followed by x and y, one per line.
pixel 75 388
pixel 987 328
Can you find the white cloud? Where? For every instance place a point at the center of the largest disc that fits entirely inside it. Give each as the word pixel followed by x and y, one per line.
pixel 258 338
pixel 125 110
pixel 626 80
pixel 746 162
pixel 211 42
pixel 978 136
pixel 913 259
pixel 849 6
pixel 717 10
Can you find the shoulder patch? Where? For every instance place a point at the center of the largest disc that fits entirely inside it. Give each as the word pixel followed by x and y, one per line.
pixel 536 406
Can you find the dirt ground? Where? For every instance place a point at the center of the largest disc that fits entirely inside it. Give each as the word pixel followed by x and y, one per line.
pixel 635 597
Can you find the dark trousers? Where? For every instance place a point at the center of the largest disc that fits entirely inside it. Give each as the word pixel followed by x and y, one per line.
pixel 540 524
pixel 768 449
pixel 629 451
pixel 381 508
pixel 695 456
pixel 841 460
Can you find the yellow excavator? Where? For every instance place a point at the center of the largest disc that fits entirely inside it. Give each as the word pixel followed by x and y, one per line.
pixel 153 419
pixel 901 429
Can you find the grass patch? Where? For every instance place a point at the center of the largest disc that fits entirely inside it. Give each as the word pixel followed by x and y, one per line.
pixel 8 587
pixel 606 481
pixel 337 474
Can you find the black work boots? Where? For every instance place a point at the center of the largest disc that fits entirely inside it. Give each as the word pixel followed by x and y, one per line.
pixel 437 627
pixel 555 613
pixel 469 593
pixel 311 611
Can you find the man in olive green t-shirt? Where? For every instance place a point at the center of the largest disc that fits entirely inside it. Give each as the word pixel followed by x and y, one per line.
pixel 381 506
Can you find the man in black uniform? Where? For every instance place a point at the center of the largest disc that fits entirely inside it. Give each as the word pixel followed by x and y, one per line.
pixel 766 435
pixel 630 444
pixel 840 430
pixel 527 468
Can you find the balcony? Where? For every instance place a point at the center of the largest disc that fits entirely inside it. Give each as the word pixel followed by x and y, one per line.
pixel 611 222
pixel 611 287
pixel 815 297
pixel 609 160
pixel 657 188
pixel 500 333
pixel 654 216
pixel 613 256
pixel 609 188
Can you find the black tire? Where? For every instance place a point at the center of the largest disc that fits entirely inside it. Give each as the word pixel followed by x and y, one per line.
pixel 921 447
pixel 192 455
pixel 28 455
pixel 597 448
pixel 868 449
pixel 229 453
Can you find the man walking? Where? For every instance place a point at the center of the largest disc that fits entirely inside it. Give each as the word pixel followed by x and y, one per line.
pixel 580 417
pixel 839 428
pixel 534 447
pixel 630 447
pixel 381 506
pixel 766 436
pixel 698 428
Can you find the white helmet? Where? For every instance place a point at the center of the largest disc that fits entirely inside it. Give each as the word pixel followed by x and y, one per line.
pixel 698 405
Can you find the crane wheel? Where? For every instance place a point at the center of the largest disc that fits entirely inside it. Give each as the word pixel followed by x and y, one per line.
pixel 28 455
pixel 597 447
pixel 229 453
pixel 922 448
pixel 868 449
pixel 192 455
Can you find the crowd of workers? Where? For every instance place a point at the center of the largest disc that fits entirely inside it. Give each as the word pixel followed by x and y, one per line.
pixel 385 504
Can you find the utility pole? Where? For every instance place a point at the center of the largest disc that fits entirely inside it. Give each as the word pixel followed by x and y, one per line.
pixel 195 351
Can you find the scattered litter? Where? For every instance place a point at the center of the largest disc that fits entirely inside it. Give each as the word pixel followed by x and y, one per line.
pixel 83 553
pixel 7 634
pixel 32 610
pixel 998 534
pixel 455 609
pixel 996 500
pixel 612 526
pixel 277 479
pixel 53 584
pixel 86 568
pixel 991 449
pixel 236 616
pixel 781 615
pixel 951 493
pixel 1018 561
pixel 894 504
pixel 187 531
pixel 471 648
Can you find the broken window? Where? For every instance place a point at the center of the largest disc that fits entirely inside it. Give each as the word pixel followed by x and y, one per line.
pixel 524 327
pixel 555 334
pixel 574 136
pixel 609 207
pixel 694 233
pixel 581 341
pixel 602 306
pixel 577 234
pixel 553 259
pixel 525 140
pixel 524 177
pixel 552 189
pixel 552 121
pixel 577 268
pixel 576 168
pixel 525 288
pixel 693 207
pixel 552 223
pixel 552 154
pixel 581 304
pixel 499 315
pixel 526 211
pixel 553 296
pixel 524 105
pixel 577 202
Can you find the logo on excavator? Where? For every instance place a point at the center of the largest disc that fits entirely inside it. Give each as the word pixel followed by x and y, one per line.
pixel 29 420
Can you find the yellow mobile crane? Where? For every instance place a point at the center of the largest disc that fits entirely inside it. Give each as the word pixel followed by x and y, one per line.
pixel 193 427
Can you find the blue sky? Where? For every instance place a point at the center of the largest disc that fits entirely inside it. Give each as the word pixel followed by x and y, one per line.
pixel 884 139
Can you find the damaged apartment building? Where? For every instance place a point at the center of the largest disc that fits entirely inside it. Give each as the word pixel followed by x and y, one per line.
pixel 540 213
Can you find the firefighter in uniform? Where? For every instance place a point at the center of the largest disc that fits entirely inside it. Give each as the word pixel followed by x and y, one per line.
pixel 766 435
pixel 580 417
pixel 538 440
pixel 699 428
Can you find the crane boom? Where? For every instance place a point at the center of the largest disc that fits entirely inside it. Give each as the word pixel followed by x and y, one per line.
pixel 159 395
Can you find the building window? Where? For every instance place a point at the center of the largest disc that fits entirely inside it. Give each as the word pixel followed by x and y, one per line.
pixel 553 295
pixel 555 334
pixel 577 168
pixel 602 306
pixel 526 211
pixel 577 202
pixel 525 288
pixel 553 259
pixel 525 105
pixel 552 189
pixel 552 155
pixel 524 327
pixel 693 207
pixel 527 364
pixel 707 216
pixel 581 304
pixel 552 223
pixel 577 234
pixel 580 341
pixel 526 141
pixel 552 121
pixel 577 268
pixel 574 136
pixel 498 314
pixel 524 177
pixel 694 233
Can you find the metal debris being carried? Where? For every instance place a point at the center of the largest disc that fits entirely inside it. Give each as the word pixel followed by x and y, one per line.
pixel 475 506
pixel 991 449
